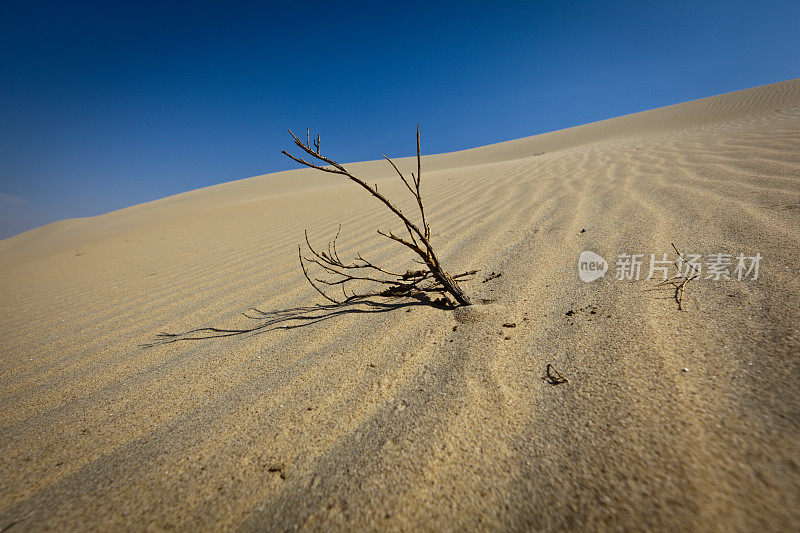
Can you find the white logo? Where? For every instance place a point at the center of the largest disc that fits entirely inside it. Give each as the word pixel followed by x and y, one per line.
pixel 591 266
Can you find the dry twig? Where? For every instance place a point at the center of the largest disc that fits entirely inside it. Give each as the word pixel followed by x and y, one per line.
pixel 432 278
pixel 552 376
pixel 679 281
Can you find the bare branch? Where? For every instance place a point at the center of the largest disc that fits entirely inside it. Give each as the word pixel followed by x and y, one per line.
pixel 679 281
pixel 408 284
pixel 400 174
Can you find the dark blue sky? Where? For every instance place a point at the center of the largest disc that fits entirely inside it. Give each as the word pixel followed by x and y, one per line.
pixel 104 104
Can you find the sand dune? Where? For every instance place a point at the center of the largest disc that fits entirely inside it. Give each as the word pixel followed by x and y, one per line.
pixel 414 417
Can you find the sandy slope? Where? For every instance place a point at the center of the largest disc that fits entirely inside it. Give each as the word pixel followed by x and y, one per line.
pixel 418 417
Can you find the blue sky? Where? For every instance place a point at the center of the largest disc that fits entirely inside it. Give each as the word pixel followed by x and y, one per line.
pixel 105 105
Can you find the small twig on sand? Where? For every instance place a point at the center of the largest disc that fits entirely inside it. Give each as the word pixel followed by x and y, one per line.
pixel 552 376
pixel 679 281
pixel 492 276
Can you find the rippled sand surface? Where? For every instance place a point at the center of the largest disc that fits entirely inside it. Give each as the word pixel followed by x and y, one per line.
pixel 407 416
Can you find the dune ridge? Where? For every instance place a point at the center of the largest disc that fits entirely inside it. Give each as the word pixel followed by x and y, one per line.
pixel 416 417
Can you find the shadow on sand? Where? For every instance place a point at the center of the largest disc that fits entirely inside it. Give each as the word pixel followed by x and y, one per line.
pixel 296 317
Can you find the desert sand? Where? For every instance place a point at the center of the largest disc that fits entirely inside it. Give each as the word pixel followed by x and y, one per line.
pixel 415 417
